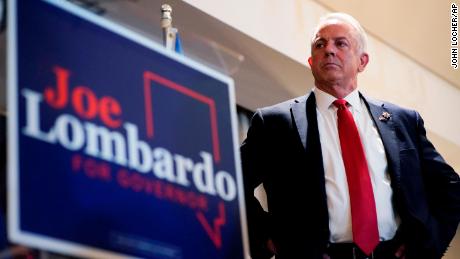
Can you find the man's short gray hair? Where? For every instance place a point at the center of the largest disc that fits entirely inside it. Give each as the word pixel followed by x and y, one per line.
pixel 347 19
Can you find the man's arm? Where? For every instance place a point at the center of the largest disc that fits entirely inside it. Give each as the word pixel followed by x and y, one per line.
pixel 254 162
pixel 443 189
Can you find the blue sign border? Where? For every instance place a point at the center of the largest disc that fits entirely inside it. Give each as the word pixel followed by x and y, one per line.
pixel 14 231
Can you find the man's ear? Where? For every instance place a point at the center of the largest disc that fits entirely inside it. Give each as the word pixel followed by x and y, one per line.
pixel 310 61
pixel 363 60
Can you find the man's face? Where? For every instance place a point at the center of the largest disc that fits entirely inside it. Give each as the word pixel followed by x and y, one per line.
pixel 335 56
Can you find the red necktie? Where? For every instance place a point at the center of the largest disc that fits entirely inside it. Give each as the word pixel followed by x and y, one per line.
pixel 363 212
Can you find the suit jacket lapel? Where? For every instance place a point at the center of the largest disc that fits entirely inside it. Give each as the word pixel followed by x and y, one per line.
pixel 386 128
pixel 299 112
pixel 304 113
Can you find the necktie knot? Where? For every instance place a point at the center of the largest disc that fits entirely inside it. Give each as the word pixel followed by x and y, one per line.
pixel 340 103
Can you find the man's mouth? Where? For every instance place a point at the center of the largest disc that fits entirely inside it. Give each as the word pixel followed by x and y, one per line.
pixel 330 65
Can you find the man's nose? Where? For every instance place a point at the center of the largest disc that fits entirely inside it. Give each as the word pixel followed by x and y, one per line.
pixel 330 49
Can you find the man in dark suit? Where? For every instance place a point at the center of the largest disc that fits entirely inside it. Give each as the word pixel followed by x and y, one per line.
pixel 346 176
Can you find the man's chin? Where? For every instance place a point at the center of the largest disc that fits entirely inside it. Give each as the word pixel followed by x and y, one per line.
pixel 332 75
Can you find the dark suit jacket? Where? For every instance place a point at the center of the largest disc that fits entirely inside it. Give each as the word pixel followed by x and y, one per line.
pixel 283 152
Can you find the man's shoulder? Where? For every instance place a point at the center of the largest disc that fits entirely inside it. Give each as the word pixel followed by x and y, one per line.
pixel 282 108
pixel 403 116
pixel 391 107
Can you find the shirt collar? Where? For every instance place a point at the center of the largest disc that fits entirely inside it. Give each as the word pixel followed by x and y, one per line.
pixel 324 100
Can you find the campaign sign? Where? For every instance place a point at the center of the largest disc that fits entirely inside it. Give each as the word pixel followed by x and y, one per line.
pixel 117 147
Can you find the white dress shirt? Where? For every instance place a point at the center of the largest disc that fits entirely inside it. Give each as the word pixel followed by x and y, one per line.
pixel 338 199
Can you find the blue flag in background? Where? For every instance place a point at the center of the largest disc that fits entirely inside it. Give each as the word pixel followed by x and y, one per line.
pixel 178 44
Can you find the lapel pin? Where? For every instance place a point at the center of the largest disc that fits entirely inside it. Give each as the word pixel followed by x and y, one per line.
pixel 385 116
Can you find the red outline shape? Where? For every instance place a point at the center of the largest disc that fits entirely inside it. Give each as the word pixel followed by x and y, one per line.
pixel 214 231
pixel 150 76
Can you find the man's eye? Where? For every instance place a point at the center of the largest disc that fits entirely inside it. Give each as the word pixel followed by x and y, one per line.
pixel 342 44
pixel 319 45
